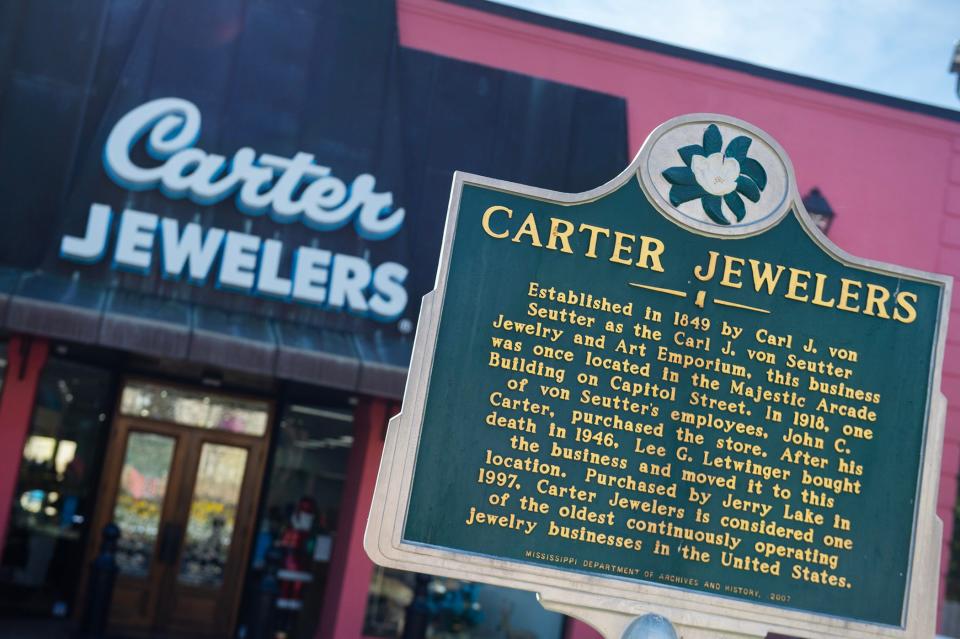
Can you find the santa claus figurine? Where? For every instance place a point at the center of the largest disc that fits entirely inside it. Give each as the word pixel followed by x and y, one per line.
pixel 295 542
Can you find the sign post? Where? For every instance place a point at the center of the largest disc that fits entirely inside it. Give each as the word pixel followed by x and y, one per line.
pixel 673 395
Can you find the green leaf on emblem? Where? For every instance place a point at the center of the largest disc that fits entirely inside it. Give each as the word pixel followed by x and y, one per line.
pixel 738 147
pixel 687 153
pixel 748 187
pixel 711 204
pixel 679 175
pixel 712 140
pixel 754 170
pixel 680 193
pixel 736 205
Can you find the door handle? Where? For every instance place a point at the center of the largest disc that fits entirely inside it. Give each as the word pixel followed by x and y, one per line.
pixel 169 543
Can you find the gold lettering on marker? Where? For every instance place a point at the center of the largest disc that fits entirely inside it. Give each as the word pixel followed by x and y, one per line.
pixel 529 228
pixel 485 221
pixel 650 251
pixel 818 292
pixel 845 294
pixel 766 276
pixel 594 231
pixel 563 236
pixel 795 284
pixel 876 303
pixel 705 274
pixel 848 295
pixel 620 247
pixel 730 272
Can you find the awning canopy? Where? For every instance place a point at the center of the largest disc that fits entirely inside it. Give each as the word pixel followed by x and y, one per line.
pixel 70 309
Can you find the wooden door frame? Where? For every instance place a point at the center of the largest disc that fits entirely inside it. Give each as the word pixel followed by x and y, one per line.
pixel 245 525
pixel 109 486
pixel 258 448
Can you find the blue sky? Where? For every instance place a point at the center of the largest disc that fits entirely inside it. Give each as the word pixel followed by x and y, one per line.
pixel 896 47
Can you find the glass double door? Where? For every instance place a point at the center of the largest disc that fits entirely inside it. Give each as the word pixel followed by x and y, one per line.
pixel 184 499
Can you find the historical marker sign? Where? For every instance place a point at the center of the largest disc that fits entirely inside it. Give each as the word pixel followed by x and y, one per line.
pixel 673 393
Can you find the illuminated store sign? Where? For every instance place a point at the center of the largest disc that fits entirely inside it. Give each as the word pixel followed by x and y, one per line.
pixel 288 190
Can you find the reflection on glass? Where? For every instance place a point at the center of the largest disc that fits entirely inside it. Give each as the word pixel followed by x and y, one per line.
pixel 42 450
pixel 143 485
pixel 66 453
pixel 391 592
pixel 458 609
pixel 55 494
pixel 213 513
pixel 309 466
pixel 192 408
pixel 39 449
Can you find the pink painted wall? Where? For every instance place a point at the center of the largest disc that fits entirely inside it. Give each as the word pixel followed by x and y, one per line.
pixel 26 357
pixel 893 176
pixel 345 600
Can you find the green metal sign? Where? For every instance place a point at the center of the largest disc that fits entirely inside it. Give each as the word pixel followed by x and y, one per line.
pixel 676 380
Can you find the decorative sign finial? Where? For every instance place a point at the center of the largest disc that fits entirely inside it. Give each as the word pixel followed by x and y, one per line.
pixel 720 181
pixel 721 176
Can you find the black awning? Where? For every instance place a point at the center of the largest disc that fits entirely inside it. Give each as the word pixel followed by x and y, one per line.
pixel 325 357
pixel 145 324
pixel 41 304
pixel 56 307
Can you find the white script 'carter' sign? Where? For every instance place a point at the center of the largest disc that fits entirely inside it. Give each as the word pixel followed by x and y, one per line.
pixel 288 190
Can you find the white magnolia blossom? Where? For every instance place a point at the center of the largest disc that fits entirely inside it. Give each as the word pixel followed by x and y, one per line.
pixel 716 174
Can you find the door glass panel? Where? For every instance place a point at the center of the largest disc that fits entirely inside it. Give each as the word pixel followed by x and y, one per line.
pixel 194 408
pixel 143 485
pixel 213 513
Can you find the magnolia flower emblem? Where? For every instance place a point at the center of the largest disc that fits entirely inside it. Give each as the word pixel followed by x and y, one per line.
pixel 716 176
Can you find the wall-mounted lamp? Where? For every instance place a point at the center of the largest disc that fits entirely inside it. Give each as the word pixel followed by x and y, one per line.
pixel 819 209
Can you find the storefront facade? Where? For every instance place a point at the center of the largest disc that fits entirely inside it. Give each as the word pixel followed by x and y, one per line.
pixel 221 219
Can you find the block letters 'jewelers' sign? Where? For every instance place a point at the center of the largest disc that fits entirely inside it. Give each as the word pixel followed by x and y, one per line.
pixel 673 394
pixel 163 132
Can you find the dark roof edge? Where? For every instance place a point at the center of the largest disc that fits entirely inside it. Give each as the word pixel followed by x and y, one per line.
pixel 637 42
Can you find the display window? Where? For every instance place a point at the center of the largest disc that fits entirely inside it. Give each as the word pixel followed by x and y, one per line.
pixel 457 609
pixel 950 614
pixel 297 532
pixel 56 488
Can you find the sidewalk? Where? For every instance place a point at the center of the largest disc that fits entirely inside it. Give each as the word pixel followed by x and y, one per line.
pixel 34 629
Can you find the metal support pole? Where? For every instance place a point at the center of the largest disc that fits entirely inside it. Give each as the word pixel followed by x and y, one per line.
pixel 650 626
pixel 418 612
pixel 263 623
pixel 103 574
